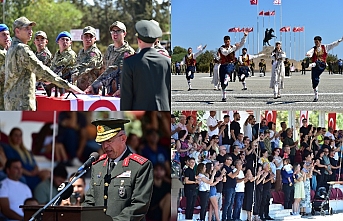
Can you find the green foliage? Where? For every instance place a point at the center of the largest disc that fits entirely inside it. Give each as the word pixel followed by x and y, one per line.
pixel 203 62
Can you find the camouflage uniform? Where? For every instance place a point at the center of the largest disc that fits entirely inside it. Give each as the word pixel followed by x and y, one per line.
pixel 45 56
pixel 2 76
pixel 89 64
pixel 67 59
pixel 113 60
pixel 21 68
pixel 160 49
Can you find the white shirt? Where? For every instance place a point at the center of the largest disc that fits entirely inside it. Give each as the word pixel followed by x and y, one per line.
pixel 248 130
pixel 240 58
pixel 195 55
pixel 183 127
pixel 278 160
pixel 330 135
pixel 239 186
pixel 16 192
pixel 202 185
pixel 212 122
pixel 232 48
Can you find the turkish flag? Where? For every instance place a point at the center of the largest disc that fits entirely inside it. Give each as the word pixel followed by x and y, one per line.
pixel 301 29
pixel 332 120
pixel 261 13
pixel 272 12
pixel 233 30
pixel 296 29
pixel 270 116
pixel 241 30
pixel 303 115
pixel 191 113
pixel 39 116
pixel 285 29
pixel 249 29
pixel 267 13
pixel 277 2
pixel 253 2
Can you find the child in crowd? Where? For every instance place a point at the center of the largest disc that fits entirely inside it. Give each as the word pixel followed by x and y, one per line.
pixel 288 168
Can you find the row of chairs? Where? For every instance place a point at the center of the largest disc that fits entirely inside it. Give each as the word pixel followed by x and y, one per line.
pixel 335 194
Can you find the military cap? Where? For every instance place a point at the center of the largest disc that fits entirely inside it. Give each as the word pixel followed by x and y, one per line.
pixel 106 129
pixel 89 30
pixel 63 34
pixel 23 22
pixel 3 27
pixel 41 33
pixel 119 25
pixel 148 31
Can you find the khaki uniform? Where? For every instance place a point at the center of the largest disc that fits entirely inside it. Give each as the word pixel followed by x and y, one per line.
pixel 89 64
pixel 66 59
pixel 21 68
pixel 126 191
pixel 45 56
pixel 2 76
pixel 113 61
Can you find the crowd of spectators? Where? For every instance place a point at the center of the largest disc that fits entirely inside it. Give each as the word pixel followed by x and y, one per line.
pixel 227 168
pixel 21 176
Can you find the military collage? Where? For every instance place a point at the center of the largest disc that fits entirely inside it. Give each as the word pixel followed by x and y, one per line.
pixel 85 101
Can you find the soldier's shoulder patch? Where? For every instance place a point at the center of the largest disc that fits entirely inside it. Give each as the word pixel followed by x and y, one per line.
pixel 127 55
pixel 135 157
pixel 92 54
pixel 101 158
pixel 162 52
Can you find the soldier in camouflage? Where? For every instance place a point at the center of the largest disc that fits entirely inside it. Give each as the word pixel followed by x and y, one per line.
pixel 113 61
pixel 64 60
pixel 89 60
pixel 21 68
pixel 42 53
pixel 5 42
pixel 122 182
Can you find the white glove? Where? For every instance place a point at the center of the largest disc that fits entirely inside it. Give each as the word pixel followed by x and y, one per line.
pixel 312 65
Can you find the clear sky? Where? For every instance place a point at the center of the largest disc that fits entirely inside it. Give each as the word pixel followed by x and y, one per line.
pixel 200 22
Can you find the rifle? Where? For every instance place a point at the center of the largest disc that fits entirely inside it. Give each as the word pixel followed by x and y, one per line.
pixel 66 76
pixel 106 81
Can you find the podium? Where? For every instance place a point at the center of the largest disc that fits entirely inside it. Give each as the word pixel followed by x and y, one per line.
pixel 67 213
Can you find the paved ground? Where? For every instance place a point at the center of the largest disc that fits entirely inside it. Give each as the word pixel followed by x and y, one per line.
pixel 297 95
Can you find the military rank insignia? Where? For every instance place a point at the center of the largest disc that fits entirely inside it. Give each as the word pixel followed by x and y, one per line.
pixel 100 129
pixel 122 190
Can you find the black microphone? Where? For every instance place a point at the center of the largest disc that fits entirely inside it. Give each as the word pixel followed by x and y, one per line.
pixel 65 195
pixel 92 158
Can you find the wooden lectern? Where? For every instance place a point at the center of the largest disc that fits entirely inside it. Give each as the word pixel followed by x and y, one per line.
pixel 67 213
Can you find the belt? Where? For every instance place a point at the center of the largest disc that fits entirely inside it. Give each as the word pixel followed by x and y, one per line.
pixel 228 63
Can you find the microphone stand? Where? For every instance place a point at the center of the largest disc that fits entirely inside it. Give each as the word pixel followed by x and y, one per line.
pixel 38 215
pixel 70 92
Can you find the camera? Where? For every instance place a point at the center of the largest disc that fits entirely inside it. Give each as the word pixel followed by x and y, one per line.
pixel 73 198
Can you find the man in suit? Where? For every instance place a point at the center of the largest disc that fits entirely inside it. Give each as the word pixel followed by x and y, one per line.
pixel 122 182
pixel 146 75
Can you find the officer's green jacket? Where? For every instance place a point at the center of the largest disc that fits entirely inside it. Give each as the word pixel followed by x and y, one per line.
pixel 126 194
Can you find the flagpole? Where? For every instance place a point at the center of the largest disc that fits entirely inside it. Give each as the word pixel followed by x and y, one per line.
pixel 294 47
pixel 304 42
pixel 3 11
pixel 281 18
pixel 290 44
pixel 299 46
pixel 258 37
pixel 274 27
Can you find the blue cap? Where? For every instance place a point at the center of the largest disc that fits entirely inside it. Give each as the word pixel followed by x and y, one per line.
pixel 3 27
pixel 63 34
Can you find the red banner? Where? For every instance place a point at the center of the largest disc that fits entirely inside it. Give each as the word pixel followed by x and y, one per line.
pixel 261 13
pixel 267 13
pixel 332 120
pixel 233 30
pixel 270 116
pixel 249 29
pixel 253 2
pixel 303 115
pixel 285 29
pixel 39 116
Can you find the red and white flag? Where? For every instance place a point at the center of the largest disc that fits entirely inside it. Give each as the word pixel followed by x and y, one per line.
pixel 285 29
pixel 270 116
pixel 272 12
pixel 277 2
pixel 199 47
pixel 249 29
pixel 233 30
pixel 261 12
pixel 296 29
pixel 332 120
pixel 253 2
pixel 267 13
pixel 303 115
pixel 301 29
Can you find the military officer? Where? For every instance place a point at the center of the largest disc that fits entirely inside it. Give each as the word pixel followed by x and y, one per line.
pixel 5 41
pixel 89 59
pixel 146 75
pixel 113 61
pixel 21 68
pixel 42 53
pixel 122 182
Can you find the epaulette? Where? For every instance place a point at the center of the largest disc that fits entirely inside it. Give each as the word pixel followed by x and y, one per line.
pixel 127 55
pixel 164 53
pixel 138 158
pixel 102 157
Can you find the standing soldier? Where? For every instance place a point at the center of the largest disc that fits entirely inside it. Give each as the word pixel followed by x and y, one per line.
pixel 287 67
pixel 42 53
pixel 21 68
pixel 318 55
pixel 5 42
pixel 252 67
pixel 89 59
pixel 146 75
pixel 157 44
pixel 113 61
pixel 64 60
pixel 122 182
